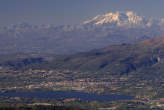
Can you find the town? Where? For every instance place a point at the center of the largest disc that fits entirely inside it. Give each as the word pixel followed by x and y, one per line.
pixel 66 80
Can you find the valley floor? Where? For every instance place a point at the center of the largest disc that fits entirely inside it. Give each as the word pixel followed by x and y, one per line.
pixel 147 93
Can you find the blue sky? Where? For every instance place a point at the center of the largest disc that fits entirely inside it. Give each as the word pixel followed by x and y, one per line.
pixel 60 12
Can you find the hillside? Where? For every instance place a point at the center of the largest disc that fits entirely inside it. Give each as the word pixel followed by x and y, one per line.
pixel 144 58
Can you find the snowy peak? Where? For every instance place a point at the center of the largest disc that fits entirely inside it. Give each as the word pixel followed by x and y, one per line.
pixel 119 18
pixel 133 18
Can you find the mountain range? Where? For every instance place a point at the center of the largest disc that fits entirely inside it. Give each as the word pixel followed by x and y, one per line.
pixel 144 59
pixel 99 32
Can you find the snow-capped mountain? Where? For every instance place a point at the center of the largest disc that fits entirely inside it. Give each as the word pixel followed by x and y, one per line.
pixel 101 31
pixel 123 19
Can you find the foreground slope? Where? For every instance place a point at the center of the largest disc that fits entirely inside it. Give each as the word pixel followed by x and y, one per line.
pixel 145 58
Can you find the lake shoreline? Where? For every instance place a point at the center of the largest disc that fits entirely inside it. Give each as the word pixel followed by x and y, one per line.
pixel 67 95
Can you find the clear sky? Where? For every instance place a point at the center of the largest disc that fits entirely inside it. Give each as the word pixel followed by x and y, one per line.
pixel 60 12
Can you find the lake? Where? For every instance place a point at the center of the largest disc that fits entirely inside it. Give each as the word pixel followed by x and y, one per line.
pixel 69 94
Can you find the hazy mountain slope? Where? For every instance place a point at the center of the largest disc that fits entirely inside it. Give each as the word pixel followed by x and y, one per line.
pixel 142 58
pixel 135 69
pixel 99 32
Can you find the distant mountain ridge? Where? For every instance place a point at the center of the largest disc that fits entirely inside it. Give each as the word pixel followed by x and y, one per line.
pixel 159 41
pixel 144 59
pixel 101 31
pixel 120 18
